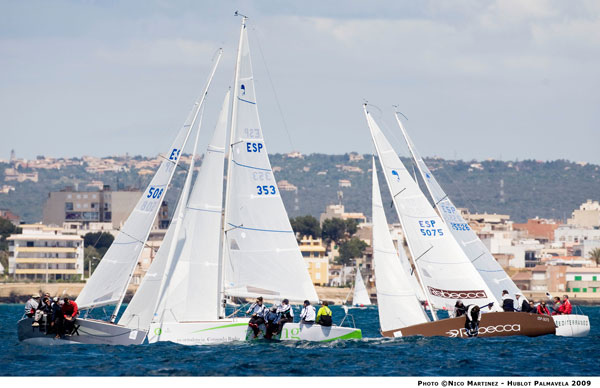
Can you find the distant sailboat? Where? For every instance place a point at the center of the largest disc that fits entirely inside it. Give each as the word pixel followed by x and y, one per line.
pixel 361 296
pixel 445 272
pixel 108 284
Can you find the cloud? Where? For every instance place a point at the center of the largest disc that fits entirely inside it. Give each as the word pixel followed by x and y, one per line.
pixel 158 52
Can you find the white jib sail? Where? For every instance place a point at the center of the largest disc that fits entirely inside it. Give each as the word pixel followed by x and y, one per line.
pixel 261 255
pixel 108 283
pixel 195 264
pixel 140 311
pixel 445 270
pixel 397 301
pixel 361 296
pixel 489 269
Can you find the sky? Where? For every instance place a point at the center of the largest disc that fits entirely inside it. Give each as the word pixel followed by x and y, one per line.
pixel 476 79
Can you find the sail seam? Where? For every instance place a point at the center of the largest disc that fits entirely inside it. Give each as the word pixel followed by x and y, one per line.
pixel 252 167
pixel 260 230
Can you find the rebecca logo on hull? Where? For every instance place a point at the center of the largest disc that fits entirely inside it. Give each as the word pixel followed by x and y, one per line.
pixel 475 294
pixel 486 330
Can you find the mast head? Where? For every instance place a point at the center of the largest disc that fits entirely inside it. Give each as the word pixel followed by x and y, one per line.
pixel 244 17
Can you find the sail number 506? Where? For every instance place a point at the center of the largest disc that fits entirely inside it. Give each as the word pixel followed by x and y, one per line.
pixel 266 190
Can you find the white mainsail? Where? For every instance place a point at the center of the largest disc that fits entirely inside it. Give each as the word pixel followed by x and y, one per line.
pixel 444 269
pixel 361 296
pixel 489 269
pixel 109 282
pixel 261 255
pixel 397 300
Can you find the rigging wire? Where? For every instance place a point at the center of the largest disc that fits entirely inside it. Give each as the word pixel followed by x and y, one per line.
pixel 285 127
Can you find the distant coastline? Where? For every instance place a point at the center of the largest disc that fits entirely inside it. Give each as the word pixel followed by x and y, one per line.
pixel 11 293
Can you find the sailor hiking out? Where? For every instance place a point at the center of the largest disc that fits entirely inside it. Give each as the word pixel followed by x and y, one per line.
pixel 324 315
pixel 286 314
pixel 257 315
pixel 308 313
pixel 272 319
pixel 472 318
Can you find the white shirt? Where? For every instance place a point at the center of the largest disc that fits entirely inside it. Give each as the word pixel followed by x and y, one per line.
pixel 284 308
pixel 308 314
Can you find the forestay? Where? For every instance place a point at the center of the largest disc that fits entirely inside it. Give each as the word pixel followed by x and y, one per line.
pixel 444 269
pixel 489 269
pixel 397 301
pixel 361 296
pixel 109 281
pixel 261 255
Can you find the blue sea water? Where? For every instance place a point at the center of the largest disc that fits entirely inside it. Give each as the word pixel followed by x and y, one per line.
pixel 372 356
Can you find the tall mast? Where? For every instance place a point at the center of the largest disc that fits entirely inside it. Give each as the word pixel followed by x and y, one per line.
pixel 433 314
pixel 200 104
pixel 232 123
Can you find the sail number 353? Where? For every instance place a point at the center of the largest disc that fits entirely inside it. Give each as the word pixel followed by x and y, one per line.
pixel 266 190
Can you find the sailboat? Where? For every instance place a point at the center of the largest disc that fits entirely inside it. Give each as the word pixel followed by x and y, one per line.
pixel 490 270
pixel 445 272
pixel 360 296
pixel 108 284
pixel 251 251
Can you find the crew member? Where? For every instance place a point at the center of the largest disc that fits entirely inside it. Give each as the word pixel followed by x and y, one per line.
pixel 557 307
pixel 472 318
pixel 257 314
pixel 286 314
pixel 459 309
pixel 57 316
pixel 70 311
pixel 307 315
pixel 567 307
pixel 271 320
pixel 32 304
pixel 542 309
pixel 507 302
pixel 324 316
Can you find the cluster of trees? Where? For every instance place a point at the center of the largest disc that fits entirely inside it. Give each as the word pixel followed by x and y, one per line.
pixel 95 246
pixel 340 231
pixel 6 229
pixel 595 255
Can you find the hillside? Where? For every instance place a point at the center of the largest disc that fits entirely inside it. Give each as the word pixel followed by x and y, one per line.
pixel 530 188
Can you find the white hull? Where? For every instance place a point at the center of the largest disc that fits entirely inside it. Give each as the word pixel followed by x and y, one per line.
pixel 572 325
pixel 236 329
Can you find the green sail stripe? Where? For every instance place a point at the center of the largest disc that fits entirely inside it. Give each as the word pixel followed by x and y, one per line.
pixel 356 334
pixel 221 327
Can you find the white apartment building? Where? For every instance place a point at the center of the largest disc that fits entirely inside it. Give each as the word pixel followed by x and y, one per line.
pixel 44 253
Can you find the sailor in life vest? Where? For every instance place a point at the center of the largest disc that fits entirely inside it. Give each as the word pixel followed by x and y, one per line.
pixel 286 314
pixel 566 305
pixel 271 320
pixel 472 318
pixel 308 313
pixel 507 302
pixel 324 315
pixel 257 315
